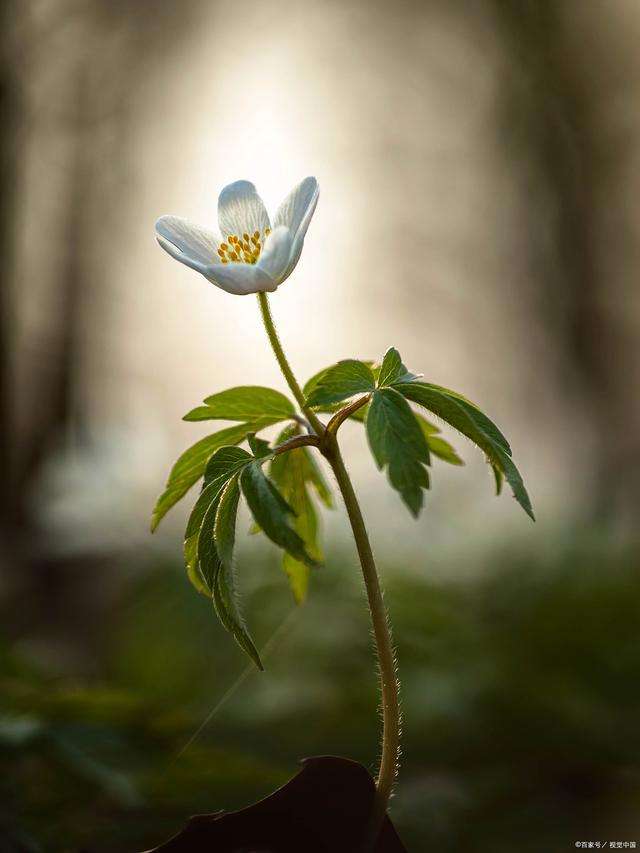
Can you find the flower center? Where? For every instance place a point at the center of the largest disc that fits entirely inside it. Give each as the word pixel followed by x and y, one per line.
pixel 244 249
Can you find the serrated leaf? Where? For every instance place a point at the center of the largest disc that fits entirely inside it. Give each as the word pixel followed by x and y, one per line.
pixel 468 420
pixel 343 380
pixel 224 531
pixel 208 557
pixel 272 512
pixel 478 416
pixel 190 467
pixel 398 443
pixel 224 592
pixel 393 370
pixel 245 403
pixel 224 463
pixel 311 383
pixel 222 466
pixel 437 445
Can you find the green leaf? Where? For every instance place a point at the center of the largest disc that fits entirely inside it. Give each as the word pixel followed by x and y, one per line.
pixel 443 450
pixel 437 445
pixel 245 403
pixel 259 447
pixel 497 473
pixel 314 476
pixel 310 470
pixel 222 466
pixel 193 566
pixel 208 557
pixel 190 467
pixel 427 427
pixel 210 539
pixel 272 512
pixel 224 531
pixel 397 442
pixel 311 383
pixel 466 418
pixel 478 416
pixel 250 401
pixel 224 591
pixel 393 370
pixel 340 382
pixel 224 463
pixel 293 472
pixel 203 413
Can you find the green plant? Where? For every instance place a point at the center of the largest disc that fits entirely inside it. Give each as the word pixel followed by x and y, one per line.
pixel 281 482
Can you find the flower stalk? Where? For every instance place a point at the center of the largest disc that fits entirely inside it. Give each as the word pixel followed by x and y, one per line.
pixel 328 444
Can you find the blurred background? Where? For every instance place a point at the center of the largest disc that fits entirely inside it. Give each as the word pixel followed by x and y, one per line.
pixel 480 170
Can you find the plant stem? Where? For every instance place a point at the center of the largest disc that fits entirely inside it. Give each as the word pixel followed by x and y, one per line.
pixel 381 629
pixel 285 367
pixel 383 641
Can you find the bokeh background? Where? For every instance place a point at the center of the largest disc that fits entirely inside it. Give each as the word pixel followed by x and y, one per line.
pixel 480 170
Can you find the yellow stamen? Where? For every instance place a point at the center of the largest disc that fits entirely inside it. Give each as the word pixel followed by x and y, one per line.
pixel 243 250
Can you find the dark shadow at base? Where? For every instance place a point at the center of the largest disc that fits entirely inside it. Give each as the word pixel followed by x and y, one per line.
pixel 325 808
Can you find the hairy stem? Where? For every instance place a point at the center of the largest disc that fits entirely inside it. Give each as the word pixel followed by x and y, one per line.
pixel 383 641
pixel 381 629
pixel 284 365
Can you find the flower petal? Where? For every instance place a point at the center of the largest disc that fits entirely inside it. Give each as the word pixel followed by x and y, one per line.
pixel 294 257
pixel 189 239
pixel 297 209
pixel 274 258
pixel 240 279
pixel 241 210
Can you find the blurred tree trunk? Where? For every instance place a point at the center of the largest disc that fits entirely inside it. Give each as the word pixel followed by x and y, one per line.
pixel 550 115
pixel 96 52
pixel 11 123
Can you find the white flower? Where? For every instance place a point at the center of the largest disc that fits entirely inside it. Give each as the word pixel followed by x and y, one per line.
pixel 251 255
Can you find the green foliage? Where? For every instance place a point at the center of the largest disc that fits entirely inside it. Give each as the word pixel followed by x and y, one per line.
pixel 272 512
pixel 222 466
pixel 190 467
pixel 210 534
pixel 259 447
pixel 437 445
pixel 392 369
pixel 293 473
pixel 283 504
pixel 224 593
pixel 470 421
pixel 339 382
pixel 245 403
pixel 210 537
pixel 398 442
